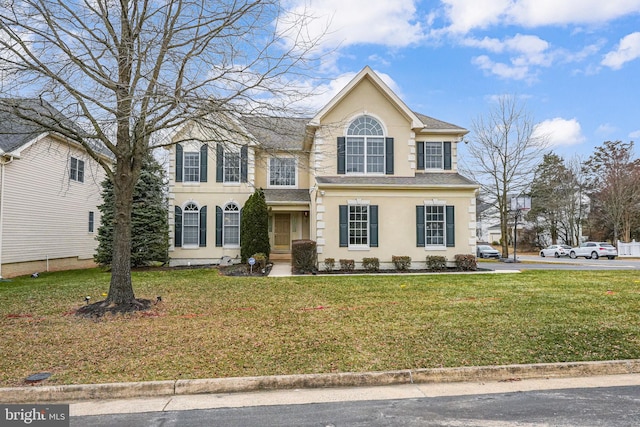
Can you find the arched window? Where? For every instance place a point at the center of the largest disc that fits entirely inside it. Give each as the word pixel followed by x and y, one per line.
pixel 191 225
pixel 365 146
pixel 231 225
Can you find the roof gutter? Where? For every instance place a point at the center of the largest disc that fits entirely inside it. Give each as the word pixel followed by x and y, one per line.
pixel 401 186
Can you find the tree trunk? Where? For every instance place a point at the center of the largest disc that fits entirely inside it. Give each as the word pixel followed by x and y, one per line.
pixel 121 287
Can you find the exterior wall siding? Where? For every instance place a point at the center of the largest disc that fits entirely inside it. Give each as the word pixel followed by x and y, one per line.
pixel 46 215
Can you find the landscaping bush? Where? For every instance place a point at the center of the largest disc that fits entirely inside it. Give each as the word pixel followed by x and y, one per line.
pixel 329 264
pixel 371 264
pixel 303 256
pixel 466 262
pixel 401 262
pixel 347 264
pixel 261 260
pixel 436 263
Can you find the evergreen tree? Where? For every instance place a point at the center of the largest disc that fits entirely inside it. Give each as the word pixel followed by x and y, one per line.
pixel 254 226
pixel 149 220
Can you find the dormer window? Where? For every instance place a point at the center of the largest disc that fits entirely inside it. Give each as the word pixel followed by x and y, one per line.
pixel 365 149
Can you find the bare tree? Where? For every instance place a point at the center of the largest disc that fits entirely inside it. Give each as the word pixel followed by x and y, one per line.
pixel 129 73
pixel 614 184
pixel 576 203
pixel 504 151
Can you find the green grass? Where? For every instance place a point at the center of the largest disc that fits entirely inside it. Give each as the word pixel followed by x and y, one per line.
pixel 215 326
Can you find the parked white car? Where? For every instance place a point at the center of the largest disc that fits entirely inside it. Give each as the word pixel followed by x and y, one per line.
pixel 555 251
pixel 594 250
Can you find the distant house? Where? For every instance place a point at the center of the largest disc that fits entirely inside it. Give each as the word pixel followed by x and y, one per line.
pixel 366 177
pixel 49 196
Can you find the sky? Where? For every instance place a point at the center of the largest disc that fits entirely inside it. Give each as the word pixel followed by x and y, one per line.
pixel 574 64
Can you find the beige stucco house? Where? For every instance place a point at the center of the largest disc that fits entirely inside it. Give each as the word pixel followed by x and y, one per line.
pixel 49 194
pixel 365 177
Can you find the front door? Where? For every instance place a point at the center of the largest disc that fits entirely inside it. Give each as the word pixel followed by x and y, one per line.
pixel 281 232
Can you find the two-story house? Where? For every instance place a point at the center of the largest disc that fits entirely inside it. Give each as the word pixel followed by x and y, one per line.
pixel 365 177
pixel 49 194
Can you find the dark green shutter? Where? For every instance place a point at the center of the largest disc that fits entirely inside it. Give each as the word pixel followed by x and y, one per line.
pixel 203 226
pixel 388 147
pixel 344 226
pixel 450 226
pixel 218 226
pixel 373 226
pixel 420 155
pixel 177 227
pixel 420 226
pixel 447 155
pixel 244 163
pixel 342 156
pixel 219 163
pixel 179 162
pixel 204 157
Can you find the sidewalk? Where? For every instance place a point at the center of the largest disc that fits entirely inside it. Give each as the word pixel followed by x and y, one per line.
pixel 281 269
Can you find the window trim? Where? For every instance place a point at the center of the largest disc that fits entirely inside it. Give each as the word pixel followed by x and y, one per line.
pixel 444 226
pixel 189 170
pixel 295 173
pixel 440 157
pixel 92 221
pixel 226 212
pixel 190 245
pixel 367 142
pixel 76 173
pixel 226 168
pixel 366 228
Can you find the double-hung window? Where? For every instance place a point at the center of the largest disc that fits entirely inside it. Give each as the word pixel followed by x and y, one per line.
pixel 190 225
pixel 76 170
pixel 434 225
pixel 358 225
pixel 433 155
pixel 192 166
pixel 365 147
pixel 231 225
pixel 231 166
pixel 282 172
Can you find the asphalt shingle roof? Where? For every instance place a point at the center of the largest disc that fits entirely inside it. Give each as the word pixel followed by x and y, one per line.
pixel 272 195
pixel 277 133
pixel 420 180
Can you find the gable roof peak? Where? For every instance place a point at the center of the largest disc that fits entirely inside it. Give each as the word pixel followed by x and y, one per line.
pixel 368 73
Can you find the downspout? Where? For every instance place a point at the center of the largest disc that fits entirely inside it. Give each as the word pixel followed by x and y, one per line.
pixel 3 162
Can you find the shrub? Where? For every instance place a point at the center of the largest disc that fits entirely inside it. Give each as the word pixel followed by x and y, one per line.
pixel 261 260
pixel 401 262
pixel 347 264
pixel 329 264
pixel 304 256
pixel 436 263
pixel 466 262
pixel 371 264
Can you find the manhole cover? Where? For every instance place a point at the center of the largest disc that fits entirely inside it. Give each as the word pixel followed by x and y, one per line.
pixel 41 376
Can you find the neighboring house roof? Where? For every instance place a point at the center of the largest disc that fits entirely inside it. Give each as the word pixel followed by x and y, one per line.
pixel 420 180
pixel 277 133
pixel 275 196
pixel 23 121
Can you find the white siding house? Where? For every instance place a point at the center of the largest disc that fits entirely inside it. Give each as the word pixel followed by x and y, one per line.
pixel 49 197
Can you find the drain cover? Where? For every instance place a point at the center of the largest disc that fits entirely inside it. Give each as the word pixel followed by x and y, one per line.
pixel 40 376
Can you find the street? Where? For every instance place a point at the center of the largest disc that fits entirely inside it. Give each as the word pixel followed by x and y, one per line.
pixel 612 400
pixel 536 262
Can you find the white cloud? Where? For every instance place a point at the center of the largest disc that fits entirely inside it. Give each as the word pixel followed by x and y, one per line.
pixel 606 129
pixel 559 131
pixel 635 134
pixel 505 71
pixel 466 15
pixel 345 23
pixel 628 50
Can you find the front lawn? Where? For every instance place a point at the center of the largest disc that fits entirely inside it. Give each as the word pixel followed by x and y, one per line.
pixel 209 325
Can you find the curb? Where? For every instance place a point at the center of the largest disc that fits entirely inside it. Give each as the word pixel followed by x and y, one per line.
pixel 68 393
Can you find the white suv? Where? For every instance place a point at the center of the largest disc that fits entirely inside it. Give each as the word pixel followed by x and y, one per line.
pixel 594 250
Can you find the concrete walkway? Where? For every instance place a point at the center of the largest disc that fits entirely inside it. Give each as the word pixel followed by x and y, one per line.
pixel 281 269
